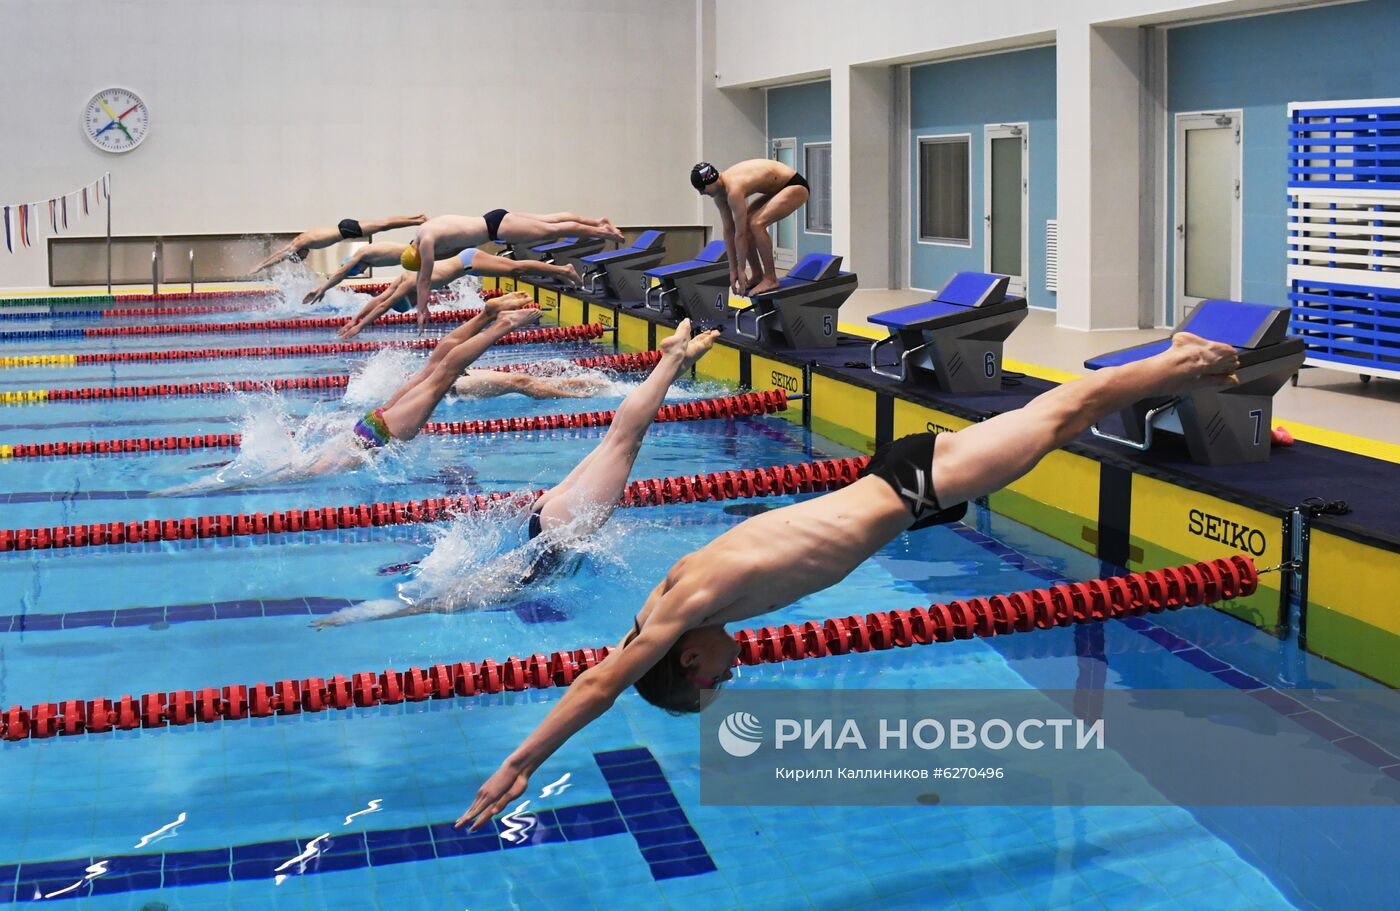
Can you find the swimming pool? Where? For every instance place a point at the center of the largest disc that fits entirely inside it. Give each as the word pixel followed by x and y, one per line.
pixel 353 809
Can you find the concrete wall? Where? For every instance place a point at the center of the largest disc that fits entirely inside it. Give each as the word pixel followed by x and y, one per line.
pixel 802 112
pixel 274 116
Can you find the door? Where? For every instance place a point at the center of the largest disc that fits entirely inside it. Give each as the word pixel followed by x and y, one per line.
pixel 1006 191
pixel 784 232
pixel 1206 210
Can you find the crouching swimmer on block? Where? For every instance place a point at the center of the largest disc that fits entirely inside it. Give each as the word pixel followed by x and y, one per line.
pixel 577 506
pixel 448 235
pixel 402 293
pixel 780 191
pixel 678 652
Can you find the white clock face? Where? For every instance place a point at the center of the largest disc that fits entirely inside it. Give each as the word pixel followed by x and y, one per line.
pixel 116 120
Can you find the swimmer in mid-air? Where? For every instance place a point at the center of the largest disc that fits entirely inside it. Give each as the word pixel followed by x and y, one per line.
pixel 582 503
pixel 348 229
pixel 402 293
pixel 678 652
pixel 368 256
pixel 447 235
pixel 780 191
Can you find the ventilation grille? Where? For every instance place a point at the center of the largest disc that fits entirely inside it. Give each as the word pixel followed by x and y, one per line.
pixel 1052 255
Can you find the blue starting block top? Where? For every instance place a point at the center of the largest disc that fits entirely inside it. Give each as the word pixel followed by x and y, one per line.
pixel 561 242
pixel 813 267
pixel 647 240
pixel 712 254
pixel 963 291
pixel 1235 323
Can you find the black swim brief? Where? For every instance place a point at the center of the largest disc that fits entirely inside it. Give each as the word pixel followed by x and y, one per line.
pixel 548 558
pixel 350 229
pixel 797 180
pixel 906 464
pixel 493 222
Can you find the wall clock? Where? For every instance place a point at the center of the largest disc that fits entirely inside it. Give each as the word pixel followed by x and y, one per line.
pixel 116 120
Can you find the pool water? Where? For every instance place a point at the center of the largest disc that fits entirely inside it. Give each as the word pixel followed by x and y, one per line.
pixel 352 809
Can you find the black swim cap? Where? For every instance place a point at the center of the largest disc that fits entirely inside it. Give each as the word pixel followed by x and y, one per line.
pixel 702 175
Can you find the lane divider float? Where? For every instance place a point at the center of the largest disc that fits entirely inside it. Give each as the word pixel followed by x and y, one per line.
pixel 750 403
pixel 617 363
pixel 772 480
pixel 1095 601
pixel 523 337
pixel 190 310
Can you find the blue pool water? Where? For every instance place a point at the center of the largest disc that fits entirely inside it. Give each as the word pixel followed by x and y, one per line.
pixel 216 816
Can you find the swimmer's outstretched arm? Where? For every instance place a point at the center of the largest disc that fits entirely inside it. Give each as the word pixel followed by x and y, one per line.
pixel 427 256
pixel 377 307
pixel 592 694
pixel 351 265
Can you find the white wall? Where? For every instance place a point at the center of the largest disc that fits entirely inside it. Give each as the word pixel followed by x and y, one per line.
pixel 270 115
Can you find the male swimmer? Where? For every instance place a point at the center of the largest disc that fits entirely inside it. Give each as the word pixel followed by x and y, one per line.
pixel 582 503
pixel 678 651
pixel 368 256
pixel 348 229
pixel 402 292
pixel 780 191
pixel 450 234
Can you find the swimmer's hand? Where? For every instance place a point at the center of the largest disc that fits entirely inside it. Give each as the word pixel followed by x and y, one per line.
pixel 500 789
pixel 312 297
pixel 422 317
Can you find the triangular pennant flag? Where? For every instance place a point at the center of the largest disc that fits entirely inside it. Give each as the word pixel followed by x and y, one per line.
pixel 85 207
pixel 53 216
pixel 24 224
pixel 65 212
pixel 9 244
pixel 106 186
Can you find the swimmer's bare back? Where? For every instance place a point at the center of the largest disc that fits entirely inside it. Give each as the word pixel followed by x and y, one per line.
pixel 757 175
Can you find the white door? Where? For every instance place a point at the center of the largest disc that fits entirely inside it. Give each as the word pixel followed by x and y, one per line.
pixel 784 232
pixel 1006 196
pixel 1206 209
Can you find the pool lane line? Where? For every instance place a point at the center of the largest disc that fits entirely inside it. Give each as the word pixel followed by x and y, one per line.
pixel 746 404
pixel 640 803
pixel 300 324
pixel 769 480
pixel 1093 601
pixel 177 310
pixel 519 337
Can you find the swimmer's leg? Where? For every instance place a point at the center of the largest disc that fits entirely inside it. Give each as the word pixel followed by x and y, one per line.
pixel 410 409
pixel 518 228
pixel 485 384
pixel 773 210
pixel 989 455
pixel 596 483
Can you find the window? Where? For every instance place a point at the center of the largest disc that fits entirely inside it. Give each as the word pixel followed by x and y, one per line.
pixel 818 168
pixel 944 189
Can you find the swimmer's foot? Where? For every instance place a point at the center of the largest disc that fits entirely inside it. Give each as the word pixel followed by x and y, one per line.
pixel 515 300
pixel 763 287
pixel 674 348
pixel 698 346
pixel 1196 363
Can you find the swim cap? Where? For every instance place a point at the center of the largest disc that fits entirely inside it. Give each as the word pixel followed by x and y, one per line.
pixel 401 306
pixel 702 175
pixel 409 260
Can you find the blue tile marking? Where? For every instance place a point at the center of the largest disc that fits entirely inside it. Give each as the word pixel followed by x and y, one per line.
pixel 671 847
pixel 175 613
pixel 668 844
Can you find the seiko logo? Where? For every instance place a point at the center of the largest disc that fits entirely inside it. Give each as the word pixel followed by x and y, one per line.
pixel 784 381
pixel 931 427
pixel 1231 534
pixel 601 316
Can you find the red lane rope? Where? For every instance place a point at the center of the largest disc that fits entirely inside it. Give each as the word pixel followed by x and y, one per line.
pixel 524 337
pixel 721 485
pixel 126 312
pixel 622 363
pixel 275 325
pixel 703 409
pixel 1063 605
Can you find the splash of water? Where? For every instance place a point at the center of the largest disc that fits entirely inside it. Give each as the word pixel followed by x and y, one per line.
pixel 381 376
